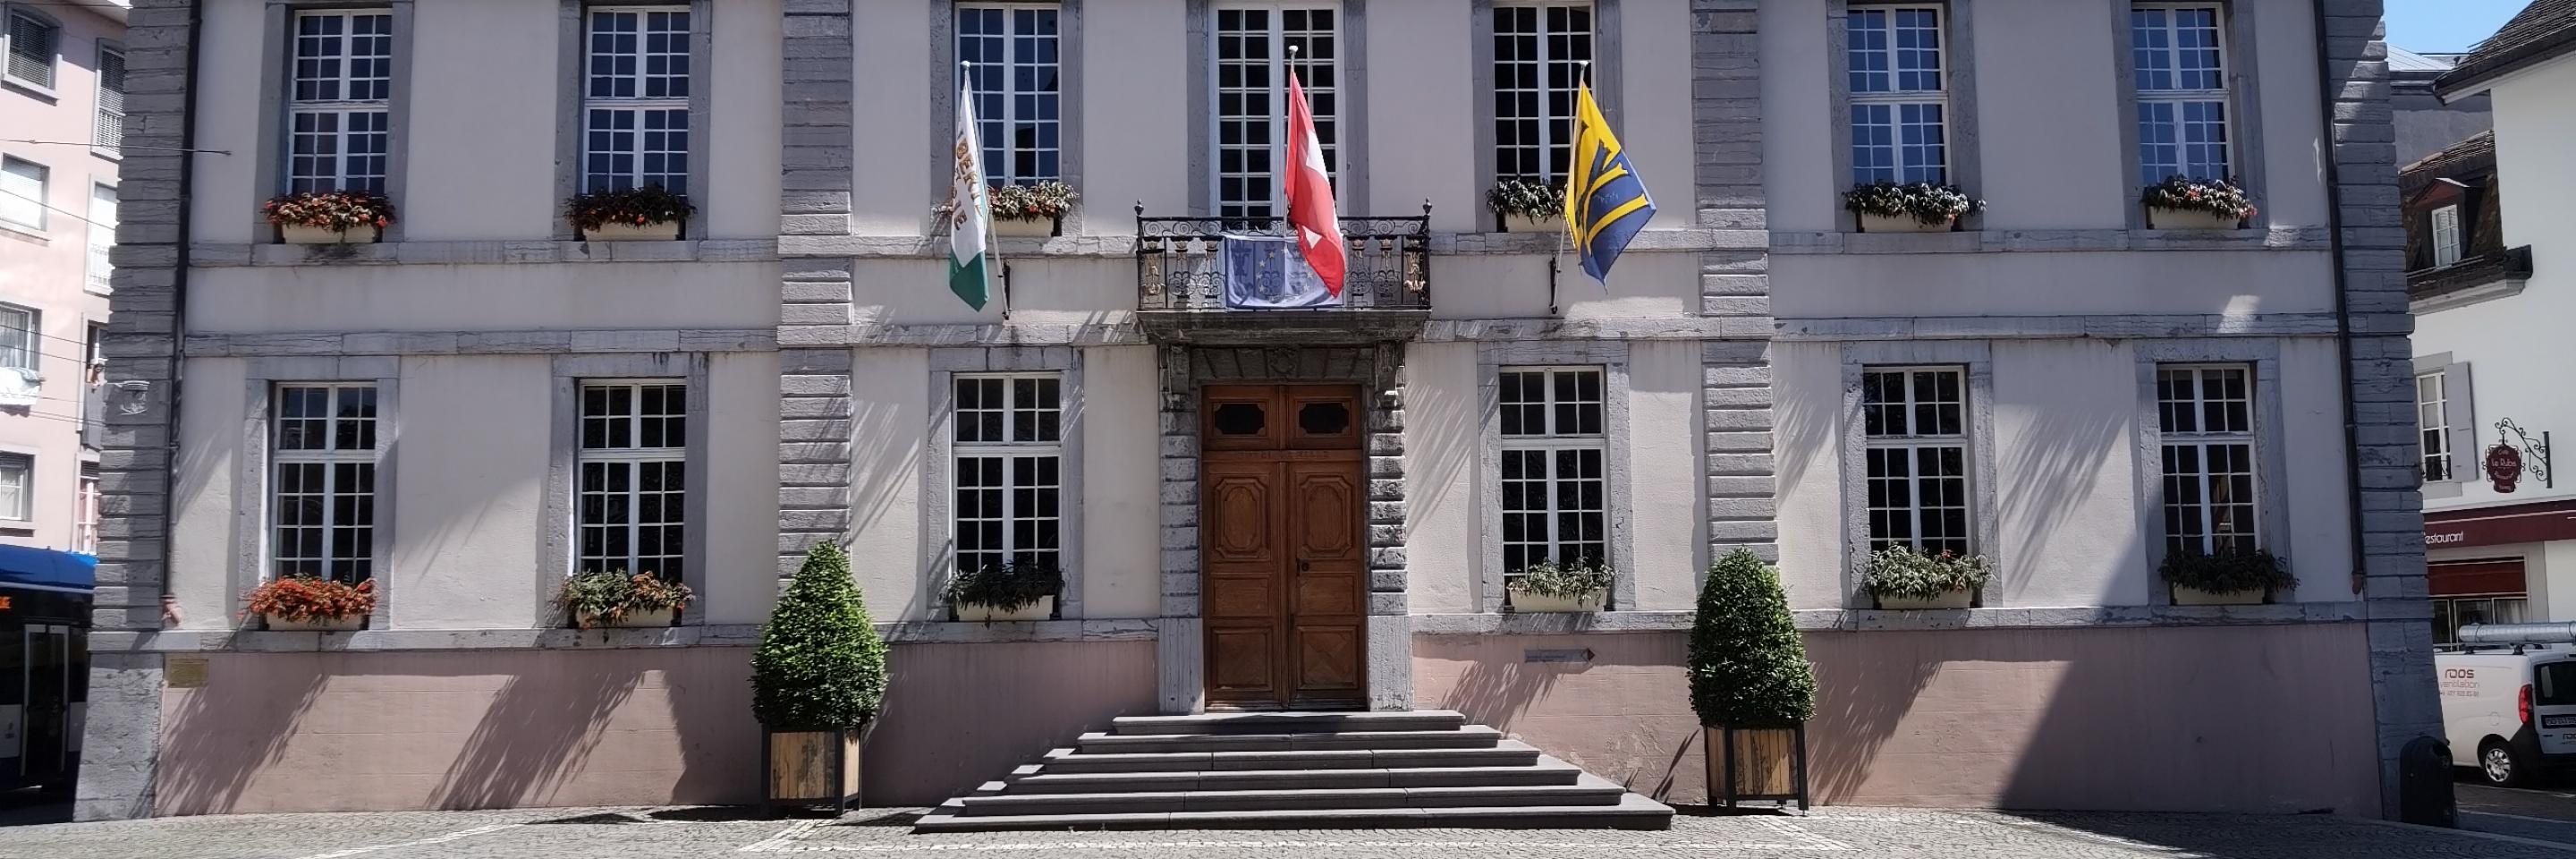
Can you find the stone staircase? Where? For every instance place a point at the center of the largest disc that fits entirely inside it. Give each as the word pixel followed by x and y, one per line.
pixel 1297 770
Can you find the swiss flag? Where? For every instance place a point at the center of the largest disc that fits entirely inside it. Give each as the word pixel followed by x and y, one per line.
pixel 1310 194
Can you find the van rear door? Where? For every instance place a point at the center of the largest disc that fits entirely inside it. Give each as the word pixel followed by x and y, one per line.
pixel 2553 706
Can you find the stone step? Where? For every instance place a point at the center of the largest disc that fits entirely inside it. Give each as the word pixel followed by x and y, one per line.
pixel 1546 771
pixel 1291 723
pixel 1507 753
pixel 1629 812
pixel 1588 790
pixel 1468 737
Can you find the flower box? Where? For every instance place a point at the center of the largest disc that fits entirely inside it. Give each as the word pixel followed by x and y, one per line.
pixel 658 231
pixel 1043 609
pixel 1945 600
pixel 1870 223
pixel 1525 602
pixel 1039 228
pixel 640 619
pixel 298 234
pixel 2161 218
pixel 1512 223
pixel 278 623
pixel 2195 596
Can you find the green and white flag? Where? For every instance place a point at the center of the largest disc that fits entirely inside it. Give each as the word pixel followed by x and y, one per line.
pixel 970 214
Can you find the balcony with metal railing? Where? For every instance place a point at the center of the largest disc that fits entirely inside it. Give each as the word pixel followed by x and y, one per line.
pixel 1205 280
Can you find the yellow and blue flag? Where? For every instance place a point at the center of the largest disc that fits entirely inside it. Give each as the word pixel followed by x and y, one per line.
pixel 1605 201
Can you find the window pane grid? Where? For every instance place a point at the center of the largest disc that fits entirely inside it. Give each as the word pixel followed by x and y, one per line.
pixel 1009 431
pixel 2205 416
pixel 2446 235
pixel 32 44
pixel 2432 402
pixel 635 97
pixel 632 492
pixel 323 481
pixel 2182 93
pixel 1251 89
pixel 338 102
pixel 1914 435
pixel 108 132
pixel 1554 487
pixel 1893 57
pixel 1015 84
pixel 1539 57
pixel 18 334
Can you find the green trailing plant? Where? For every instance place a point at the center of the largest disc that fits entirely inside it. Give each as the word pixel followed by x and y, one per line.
pixel 1923 201
pixel 651 204
pixel 607 596
pixel 1535 199
pixel 330 210
pixel 1903 573
pixel 1574 580
pixel 2219 197
pixel 2226 571
pixel 820 665
pixel 1748 668
pixel 1004 587
pixel 1042 201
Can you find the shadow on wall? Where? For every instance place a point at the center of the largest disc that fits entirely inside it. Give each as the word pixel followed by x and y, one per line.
pixel 884 465
pixel 1434 470
pixel 540 727
pixel 215 743
pixel 1623 713
pixel 959 715
pixel 1864 696
pixel 596 716
pixel 2057 458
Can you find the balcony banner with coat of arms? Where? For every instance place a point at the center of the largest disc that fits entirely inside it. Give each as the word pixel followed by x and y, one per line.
pixel 1270 273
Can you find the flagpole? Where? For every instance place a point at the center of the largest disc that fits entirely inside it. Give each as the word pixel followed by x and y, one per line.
pixel 1286 153
pixel 1565 235
pixel 993 261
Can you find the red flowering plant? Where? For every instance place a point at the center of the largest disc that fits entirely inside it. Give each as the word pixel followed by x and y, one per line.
pixel 2220 197
pixel 305 598
pixel 1043 201
pixel 645 206
pixel 330 210
pixel 594 597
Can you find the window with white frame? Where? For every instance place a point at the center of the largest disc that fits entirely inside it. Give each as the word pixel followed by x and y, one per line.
pixel 632 478
pixel 1914 439
pixel 33 43
pixel 85 510
pixel 2432 422
pixel 1009 448
pixel 1016 86
pixel 1540 51
pixel 22 193
pixel 635 99
pixel 2205 419
pixel 2183 125
pixel 1251 95
pixel 323 484
pixel 340 101
pixel 107 132
pixel 17 486
pixel 1555 438
pixel 1899 94
pixel 102 237
pixel 2446 235
pixel 18 336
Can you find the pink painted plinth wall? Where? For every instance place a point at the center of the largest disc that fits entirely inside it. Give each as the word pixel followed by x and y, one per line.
pixel 2257 719
pixel 388 731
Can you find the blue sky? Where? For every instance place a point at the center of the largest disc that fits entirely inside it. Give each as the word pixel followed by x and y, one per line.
pixel 2446 26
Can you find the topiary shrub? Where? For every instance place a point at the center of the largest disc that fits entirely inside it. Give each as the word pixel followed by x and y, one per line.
pixel 820 665
pixel 1748 668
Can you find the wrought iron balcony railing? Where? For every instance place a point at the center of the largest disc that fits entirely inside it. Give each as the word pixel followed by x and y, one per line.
pixel 1180 261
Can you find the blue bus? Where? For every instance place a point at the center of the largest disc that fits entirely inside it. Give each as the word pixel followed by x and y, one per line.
pixel 44 664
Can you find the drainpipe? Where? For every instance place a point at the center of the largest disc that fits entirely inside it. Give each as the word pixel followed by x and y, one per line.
pixel 2342 303
pixel 170 614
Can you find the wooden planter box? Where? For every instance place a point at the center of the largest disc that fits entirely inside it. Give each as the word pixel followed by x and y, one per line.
pixel 1901 224
pixel 1947 599
pixel 1043 609
pixel 2195 596
pixel 809 768
pixel 659 231
pixel 2188 219
pixel 1756 764
pixel 1525 602
pixel 296 234
pixel 351 623
pixel 1043 228
pixel 636 620
pixel 1525 224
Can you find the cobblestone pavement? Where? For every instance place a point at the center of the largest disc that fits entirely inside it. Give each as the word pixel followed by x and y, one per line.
pixel 710 832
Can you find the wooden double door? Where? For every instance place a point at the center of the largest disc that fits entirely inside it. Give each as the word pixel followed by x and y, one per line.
pixel 1283 547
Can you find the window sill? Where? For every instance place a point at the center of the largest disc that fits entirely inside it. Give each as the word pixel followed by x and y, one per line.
pixel 1849 620
pixel 32 88
pixel 490 252
pixel 22 232
pixel 2045 241
pixel 708 635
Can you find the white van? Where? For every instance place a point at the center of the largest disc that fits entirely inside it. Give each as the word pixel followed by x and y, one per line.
pixel 2509 709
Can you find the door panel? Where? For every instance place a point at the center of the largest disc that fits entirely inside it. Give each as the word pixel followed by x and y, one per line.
pixel 1285 587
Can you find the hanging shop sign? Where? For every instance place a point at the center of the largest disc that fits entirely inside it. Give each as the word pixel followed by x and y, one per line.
pixel 2508 462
